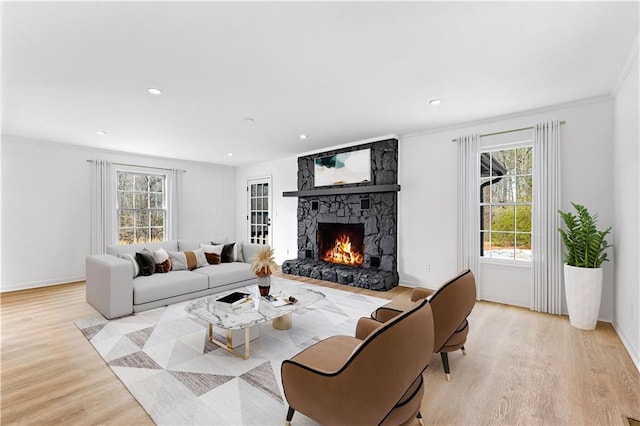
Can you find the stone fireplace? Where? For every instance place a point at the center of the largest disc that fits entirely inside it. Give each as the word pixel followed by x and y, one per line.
pixel 348 233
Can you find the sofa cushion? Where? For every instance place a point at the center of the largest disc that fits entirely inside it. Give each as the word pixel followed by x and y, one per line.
pixel 212 253
pixel 194 243
pixel 115 249
pixel 226 273
pixel 163 286
pixel 131 258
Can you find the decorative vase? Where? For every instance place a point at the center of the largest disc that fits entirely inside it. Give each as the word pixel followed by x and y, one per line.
pixel 583 290
pixel 264 284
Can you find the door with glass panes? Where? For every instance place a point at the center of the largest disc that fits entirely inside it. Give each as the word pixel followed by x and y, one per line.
pixel 259 208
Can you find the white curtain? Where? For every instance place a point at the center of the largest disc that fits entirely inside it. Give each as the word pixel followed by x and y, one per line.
pixel 174 204
pixel 469 205
pixel 101 206
pixel 546 245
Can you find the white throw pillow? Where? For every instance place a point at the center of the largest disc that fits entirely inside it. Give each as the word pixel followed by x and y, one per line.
pixel 178 261
pixel 160 255
pixel 135 267
pixel 201 258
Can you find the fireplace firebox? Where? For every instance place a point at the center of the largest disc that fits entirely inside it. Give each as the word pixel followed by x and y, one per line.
pixel 341 243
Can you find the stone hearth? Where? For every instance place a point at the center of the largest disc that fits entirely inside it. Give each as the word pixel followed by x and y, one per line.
pixel 372 204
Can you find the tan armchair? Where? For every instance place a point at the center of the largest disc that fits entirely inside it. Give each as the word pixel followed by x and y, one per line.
pixel 451 305
pixel 372 378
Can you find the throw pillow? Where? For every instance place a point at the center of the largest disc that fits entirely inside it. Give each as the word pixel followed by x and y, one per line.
pixel 178 260
pixel 134 264
pixel 212 253
pixel 146 263
pixel 164 267
pixel 228 253
pixel 201 259
pixel 160 255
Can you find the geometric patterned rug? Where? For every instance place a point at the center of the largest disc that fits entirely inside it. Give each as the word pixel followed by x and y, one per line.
pixel 167 363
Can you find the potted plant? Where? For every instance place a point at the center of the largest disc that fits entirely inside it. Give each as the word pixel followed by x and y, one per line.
pixel 585 252
pixel 263 265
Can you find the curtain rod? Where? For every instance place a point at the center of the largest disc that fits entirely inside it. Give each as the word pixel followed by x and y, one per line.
pixel 505 131
pixel 138 165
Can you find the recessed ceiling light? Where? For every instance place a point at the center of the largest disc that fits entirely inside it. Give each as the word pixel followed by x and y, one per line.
pixel 434 102
pixel 230 154
pixel 154 91
pixel 101 132
pixel 303 136
pixel 248 120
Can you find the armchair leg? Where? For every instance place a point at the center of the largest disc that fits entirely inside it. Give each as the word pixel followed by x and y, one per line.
pixel 464 352
pixel 445 364
pixel 290 413
pixel 419 417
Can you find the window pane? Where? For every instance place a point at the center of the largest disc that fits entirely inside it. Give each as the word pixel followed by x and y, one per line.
pixel 253 190
pixel 155 201
pixel 523 242
pixel 524 161
pixel 502 191
pixel 485 240
pixel 524 189
pixel 502 241
pixel 259 194
pixel 503 218
pixel 141 201
pixel 142 235
pixel 253 217
pixel 157 234
pixel 157 218
pixel 503 160
pixel 485 190
pixel 259 204
pixel 265 203
pixel 126 236
pixel 485 217
pixel 523 218
pixel 125 219
pixel 142 218
pixel 125 181
pixel 141 183
pixel 155 184
pixel 125 200
pixel 253 204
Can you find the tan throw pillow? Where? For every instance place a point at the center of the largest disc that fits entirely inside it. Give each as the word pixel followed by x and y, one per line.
pixel 164 267
pixel 212 253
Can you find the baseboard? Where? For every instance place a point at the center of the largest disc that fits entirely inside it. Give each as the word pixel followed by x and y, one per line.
pixel 37 284
pixel 633 352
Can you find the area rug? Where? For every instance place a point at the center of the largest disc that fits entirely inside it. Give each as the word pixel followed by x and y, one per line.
pixel 165 360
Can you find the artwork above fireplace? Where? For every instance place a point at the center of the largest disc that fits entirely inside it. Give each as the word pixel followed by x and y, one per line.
pixel 341 243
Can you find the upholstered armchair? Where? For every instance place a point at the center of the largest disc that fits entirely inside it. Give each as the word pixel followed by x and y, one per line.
pixel 451 305
pixel 372 378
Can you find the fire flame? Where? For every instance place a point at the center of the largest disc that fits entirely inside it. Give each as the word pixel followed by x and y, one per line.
pixel 342 253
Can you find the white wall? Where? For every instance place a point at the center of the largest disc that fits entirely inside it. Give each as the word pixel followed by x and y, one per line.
pixel 627 211
pixel 284 220
pixel 428 204
pixel 46 203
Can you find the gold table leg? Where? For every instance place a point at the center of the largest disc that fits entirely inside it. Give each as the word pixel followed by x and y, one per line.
pixel 284 322
pixel 228 345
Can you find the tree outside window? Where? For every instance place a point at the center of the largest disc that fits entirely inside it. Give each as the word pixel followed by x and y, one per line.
pixel 141 207
pixel 506 193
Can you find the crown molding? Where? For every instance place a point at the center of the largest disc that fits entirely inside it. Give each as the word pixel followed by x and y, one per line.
pixel 632 59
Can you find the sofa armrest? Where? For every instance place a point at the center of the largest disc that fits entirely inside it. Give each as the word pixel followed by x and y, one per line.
pixel 250 250
pixel 109 286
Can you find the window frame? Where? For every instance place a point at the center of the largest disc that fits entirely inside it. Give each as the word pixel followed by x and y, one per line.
pixel 526 143
pixel 165 187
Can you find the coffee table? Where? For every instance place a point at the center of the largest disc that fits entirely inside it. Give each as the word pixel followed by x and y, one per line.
pixel 251 313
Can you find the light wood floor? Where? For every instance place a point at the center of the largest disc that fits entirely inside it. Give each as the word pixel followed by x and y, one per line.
pixel 521 368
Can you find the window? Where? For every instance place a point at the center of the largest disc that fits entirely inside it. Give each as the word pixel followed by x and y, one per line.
pixel 505 203
pixel 141 207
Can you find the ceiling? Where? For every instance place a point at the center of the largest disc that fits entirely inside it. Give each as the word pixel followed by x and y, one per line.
pixel 337 72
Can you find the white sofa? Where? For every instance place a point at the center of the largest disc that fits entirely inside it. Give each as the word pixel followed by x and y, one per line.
pixel 114 292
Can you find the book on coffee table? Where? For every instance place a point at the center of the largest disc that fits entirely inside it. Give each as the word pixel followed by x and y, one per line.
pixel 234 298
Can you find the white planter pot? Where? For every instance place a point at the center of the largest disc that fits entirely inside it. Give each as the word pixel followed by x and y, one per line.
pixel 583 290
